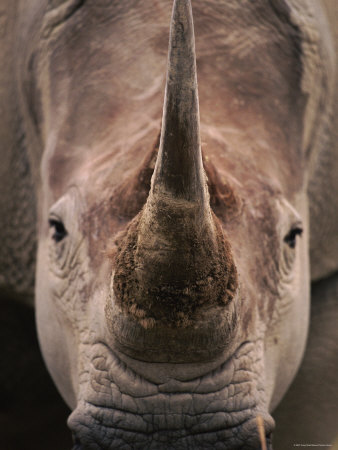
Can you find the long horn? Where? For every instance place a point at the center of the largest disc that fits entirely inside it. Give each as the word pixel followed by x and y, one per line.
pixel 179 167
pixel 174 259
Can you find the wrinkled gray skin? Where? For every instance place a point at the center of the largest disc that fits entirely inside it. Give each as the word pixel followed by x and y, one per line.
pixel 81 104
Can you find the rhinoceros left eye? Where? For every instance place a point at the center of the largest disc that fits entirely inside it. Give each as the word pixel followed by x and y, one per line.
pixel 291 237
pixel 60 231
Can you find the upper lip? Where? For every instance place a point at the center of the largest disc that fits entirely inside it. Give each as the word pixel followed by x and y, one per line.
pixel 244 434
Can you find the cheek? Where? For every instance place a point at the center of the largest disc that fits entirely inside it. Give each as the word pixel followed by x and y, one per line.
pixel 286 338
pixel 55 331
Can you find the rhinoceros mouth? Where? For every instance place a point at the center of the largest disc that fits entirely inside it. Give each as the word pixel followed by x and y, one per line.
pixel 118 408
pixel 240 437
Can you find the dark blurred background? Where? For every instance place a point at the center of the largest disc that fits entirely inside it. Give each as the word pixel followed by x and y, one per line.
pixel 32 413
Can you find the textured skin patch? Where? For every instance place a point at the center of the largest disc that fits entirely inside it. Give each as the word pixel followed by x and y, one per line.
pixel 223 199
pixel 180 269
pixel 119 408
pixel 132 194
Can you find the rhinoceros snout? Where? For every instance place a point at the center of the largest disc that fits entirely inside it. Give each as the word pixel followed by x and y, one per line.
pixel 173 290
pixel 173 263
pixel 174 259
pixel 174 268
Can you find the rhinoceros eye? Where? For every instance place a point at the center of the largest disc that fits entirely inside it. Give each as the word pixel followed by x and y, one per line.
pixel 60 231
pixel 291 237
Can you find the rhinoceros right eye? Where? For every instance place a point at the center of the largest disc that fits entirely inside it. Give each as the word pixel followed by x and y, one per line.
pixel 60 231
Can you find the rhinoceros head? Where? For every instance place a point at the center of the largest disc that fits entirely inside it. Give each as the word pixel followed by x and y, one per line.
pixel 172 281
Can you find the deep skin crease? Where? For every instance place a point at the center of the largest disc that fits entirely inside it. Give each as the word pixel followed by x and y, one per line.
pixel 93 88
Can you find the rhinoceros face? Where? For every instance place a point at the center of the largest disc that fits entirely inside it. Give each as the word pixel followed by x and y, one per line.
pixel 171 312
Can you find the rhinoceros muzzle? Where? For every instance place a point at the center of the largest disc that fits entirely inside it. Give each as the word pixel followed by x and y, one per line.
pixel 123 406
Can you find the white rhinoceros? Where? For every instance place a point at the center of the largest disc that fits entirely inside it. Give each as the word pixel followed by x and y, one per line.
pixel 175 249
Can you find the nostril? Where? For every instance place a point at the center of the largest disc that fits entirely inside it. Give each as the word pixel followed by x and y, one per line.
pixel 269 442
pixel 77 444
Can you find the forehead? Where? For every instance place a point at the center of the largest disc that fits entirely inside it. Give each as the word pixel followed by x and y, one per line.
pixel 113 46
pixel 107 71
